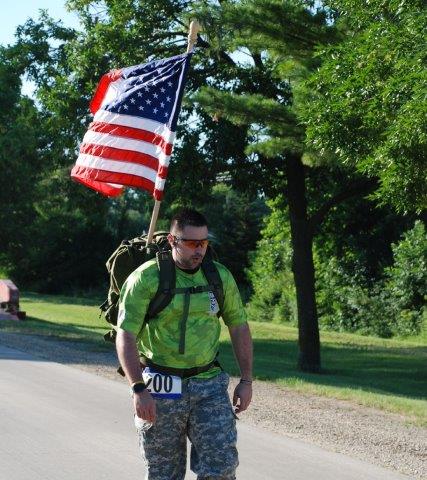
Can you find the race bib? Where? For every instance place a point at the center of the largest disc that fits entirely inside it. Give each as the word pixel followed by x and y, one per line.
pixel 162 386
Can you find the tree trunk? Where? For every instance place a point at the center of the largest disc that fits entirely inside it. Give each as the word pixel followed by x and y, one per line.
pixel 303 268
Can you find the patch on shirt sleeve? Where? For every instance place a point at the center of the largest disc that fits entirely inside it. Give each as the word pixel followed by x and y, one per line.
pixel 213 304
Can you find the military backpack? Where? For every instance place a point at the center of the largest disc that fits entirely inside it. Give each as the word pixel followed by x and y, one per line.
pixel 130 254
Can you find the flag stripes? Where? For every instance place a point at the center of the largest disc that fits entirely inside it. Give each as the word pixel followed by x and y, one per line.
pixel 134 133
pixel 90 161
pixel 103 181
pixel 124 143
pixel 124 120
pixel 119 145
pixel 125 156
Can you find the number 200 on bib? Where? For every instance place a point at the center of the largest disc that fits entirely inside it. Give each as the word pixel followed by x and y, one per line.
pixel 162 386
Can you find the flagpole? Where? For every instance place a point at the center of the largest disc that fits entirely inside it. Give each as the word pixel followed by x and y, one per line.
pixel 192 39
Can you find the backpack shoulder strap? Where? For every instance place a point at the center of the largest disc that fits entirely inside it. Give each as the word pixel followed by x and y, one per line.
pixel 167 282
pixel 214 280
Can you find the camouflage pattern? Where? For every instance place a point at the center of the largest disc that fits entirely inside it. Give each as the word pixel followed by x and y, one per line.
pixel 204 414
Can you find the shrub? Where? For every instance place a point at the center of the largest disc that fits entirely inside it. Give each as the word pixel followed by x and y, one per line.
pixel 406 281
pixel 346 303
pixel 270 270
pixel 394 305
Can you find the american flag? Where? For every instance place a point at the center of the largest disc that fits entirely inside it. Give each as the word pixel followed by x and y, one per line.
pixel 129 142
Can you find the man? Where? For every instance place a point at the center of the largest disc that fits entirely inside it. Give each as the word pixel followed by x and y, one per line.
pixel 188 387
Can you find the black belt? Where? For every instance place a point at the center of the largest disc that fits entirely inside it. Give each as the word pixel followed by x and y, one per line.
pixel 180 372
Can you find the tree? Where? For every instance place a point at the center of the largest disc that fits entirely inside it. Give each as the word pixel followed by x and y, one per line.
pixel 368 104
pixel 247 128
pixel 50 225
pixel 280 39
pixel 20 166
pixel 351 252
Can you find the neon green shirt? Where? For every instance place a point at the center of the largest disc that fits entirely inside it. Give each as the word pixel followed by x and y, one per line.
pixel 159 339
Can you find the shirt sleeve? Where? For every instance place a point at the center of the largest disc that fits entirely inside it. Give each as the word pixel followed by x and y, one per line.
pixel 233 312
pixel 135 296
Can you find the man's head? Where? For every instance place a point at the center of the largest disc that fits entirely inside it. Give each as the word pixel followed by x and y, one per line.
pixel 188 238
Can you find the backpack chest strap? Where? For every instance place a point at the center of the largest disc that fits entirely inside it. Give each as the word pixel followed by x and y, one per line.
pixel 191 290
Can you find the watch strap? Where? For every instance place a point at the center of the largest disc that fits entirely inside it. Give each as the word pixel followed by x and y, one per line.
pixel 138 387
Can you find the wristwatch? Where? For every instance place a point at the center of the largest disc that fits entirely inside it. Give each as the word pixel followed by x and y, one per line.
pixel 138 387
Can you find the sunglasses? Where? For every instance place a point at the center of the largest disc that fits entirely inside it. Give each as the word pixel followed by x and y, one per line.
pixel 190 243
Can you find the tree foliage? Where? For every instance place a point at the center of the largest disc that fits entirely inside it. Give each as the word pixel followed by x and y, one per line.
pixel 364 284
pixel 270 270
pixel 368 102
pixel 20 166
pixel 406 279
pixel 394 305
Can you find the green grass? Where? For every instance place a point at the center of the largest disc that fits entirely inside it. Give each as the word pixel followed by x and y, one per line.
pixel 70 319
pixel 389 374
pixel 382 373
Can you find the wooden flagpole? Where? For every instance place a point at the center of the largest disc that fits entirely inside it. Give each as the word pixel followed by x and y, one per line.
pixel 192 38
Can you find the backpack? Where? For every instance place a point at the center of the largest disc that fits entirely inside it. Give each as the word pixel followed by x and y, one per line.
pixel 130 254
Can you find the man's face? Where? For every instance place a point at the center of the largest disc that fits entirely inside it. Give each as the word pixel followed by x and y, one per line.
pixel 185 256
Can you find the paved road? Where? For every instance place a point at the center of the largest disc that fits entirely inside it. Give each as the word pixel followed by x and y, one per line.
pixel 60 423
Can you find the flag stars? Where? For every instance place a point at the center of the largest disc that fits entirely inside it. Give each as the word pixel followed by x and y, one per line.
pixel 132 100
pixel 166 114
pixel 169 84
pixel 139 94
pixel 162 104
pixel 146 88
pixel 155 110
pixel 168 99
pixel 141 108
pixel 148 101
pixel 163 90
pixel 155 95
pixel 125 106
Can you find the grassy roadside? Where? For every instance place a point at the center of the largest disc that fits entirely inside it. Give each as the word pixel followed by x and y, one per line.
pixel 382 373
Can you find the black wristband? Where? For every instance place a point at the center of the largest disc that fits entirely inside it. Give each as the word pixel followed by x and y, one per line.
pixel 138 387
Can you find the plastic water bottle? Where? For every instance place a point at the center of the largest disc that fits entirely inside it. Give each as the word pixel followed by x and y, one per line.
pixel 141 425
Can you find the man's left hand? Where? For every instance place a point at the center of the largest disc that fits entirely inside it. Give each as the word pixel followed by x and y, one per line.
pixel 242 397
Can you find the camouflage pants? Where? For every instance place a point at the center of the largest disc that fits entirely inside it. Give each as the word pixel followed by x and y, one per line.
pixel 204 415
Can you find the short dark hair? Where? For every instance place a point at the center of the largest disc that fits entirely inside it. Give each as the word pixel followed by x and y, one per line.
pixel 188 217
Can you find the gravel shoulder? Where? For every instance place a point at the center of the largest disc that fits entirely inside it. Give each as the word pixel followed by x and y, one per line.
pixel 368 434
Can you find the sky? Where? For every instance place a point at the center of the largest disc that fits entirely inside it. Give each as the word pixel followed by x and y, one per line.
pixel 16 12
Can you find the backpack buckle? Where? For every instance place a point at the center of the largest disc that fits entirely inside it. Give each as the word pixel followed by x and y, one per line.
pixel 196 289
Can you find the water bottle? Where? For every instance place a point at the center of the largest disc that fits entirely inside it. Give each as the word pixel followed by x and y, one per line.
pixel 141 425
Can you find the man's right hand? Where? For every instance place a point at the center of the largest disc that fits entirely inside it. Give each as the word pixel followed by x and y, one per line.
pixel 145 406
